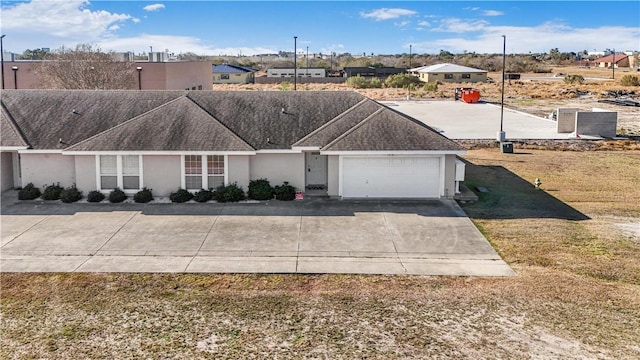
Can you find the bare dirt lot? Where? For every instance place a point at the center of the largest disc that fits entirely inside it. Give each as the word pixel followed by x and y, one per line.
pixel 573 244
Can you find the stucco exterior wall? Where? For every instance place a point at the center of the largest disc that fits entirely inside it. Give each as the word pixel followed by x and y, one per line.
pixel 596 123
pixel 234 78
pixel 457 77
pixel 85 166
pixel 6 169
pixel 194 75
pixel 449 176
pixel 238 169
pixel 161 173
pixel 566 120
pixel 278 168
pixel 47 169
pixel 333 175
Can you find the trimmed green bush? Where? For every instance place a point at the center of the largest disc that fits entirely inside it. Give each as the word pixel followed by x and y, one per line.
pixel 70 194
pixel 117 196
pixel 180 196
pixel 285 192
pixel 95 196
pixel 260 189
pixel 29 192
pixel 203 196
pixel 143 196
pixel 52 192
pixel 229 193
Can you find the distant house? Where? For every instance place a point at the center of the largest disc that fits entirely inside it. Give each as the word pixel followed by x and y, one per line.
pixel 335 143
pixel 301 72
pixel 621 60
pixel 233 74
pixel 370 71
pixel 449 73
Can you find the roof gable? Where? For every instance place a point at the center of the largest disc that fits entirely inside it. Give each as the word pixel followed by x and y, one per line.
pixel 47 116
pixel 387 130
pixel 274 119
pixel 179 125
pixel 340 124
pixel 448 68
pixel 11 135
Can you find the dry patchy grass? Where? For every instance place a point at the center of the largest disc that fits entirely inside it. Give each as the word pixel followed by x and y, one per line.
pixel 576 295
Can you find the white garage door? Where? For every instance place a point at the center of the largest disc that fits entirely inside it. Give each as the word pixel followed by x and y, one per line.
pixel 391 176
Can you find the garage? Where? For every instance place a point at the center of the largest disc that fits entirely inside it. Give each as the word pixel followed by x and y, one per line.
pixel 391 177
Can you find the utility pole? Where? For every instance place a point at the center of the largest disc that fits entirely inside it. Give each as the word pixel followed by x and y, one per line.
pixel 501 134
pixel 295 62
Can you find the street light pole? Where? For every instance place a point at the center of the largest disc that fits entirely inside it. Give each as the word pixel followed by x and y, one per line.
pixel 613 65
pixel 2 59
pixel 501 134
pixel 15 77
pixel 306 72
pixel 295 63
pixel 139 68
pixel 410 55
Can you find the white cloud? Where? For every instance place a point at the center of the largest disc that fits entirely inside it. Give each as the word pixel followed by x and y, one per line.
pixel 153 7
pixel 114 27
pixel 493 13
pixel 461 26
pixel 424 23
pixel 536 39
pixel 386 14
pixel 135 20
pixel 404 23
pixel 475 8
pixel 337 48
pixel 69 20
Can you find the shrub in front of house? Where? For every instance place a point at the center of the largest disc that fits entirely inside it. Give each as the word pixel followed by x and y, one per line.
pixel 180 196
pixel 260 189
pixel 285 192
pixel 29 192
pixel 117 196
pixel 95 196
pixel 228 193
pixel 143 196
pixel 52 192
pixel 203 195
pixel 402 81
pixel 70 194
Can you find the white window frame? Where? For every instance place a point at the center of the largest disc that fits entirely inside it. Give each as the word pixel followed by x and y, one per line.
pixel 119 173
pixel 205 171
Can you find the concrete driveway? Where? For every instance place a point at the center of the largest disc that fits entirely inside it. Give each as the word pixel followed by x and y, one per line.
pixel 310 236
pixel 461 121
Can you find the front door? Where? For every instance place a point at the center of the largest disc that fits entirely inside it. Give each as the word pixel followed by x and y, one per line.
pixel 316 171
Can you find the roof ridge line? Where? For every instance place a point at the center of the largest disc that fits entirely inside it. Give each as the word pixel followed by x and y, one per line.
pixel 354 128
pixel 124 123
pixel 332 121
pixel 220 122
pixel 14 125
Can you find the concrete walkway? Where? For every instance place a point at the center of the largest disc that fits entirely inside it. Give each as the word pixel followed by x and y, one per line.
pixel 310 236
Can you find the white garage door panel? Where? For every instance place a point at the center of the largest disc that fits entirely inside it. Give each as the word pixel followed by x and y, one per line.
pixel 392 176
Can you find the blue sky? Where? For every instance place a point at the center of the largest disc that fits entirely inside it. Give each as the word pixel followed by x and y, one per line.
pixel 379 27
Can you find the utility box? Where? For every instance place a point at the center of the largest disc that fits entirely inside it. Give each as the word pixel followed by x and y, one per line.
pixel 506 147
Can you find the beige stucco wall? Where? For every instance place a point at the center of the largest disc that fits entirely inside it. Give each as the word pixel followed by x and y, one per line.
pixel 85 166
pixel 161 173
pixel 238 170
pixel 333 175
pixel 449 176
pixel 457 77
pixel 47 169
pixel 278 168
pixel 6 169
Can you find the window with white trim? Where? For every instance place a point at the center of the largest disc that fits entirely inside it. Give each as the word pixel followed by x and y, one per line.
pixel 203 171
pixel 122 171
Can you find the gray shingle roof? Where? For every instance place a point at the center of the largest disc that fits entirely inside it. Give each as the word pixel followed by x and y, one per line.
pixel 179 125
pixel 387 130
pixel 10 133
pixel 208 121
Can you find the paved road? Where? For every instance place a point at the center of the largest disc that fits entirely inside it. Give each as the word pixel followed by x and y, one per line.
pixel 310 236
